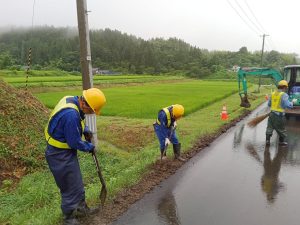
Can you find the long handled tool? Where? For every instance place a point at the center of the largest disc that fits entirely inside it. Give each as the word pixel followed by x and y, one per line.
pixel 257 120
pixel 166 145
pixel 88 137
pixel 103 192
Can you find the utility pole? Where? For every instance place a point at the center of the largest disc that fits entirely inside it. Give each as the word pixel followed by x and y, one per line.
pixel 86 60
pixel 261 58
pixel 85 49
pixel 262 49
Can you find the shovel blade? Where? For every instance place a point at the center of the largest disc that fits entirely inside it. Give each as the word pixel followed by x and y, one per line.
pixel 103 192
pixel 103 195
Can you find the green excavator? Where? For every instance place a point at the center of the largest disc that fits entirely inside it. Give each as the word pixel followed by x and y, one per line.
pixel 291 74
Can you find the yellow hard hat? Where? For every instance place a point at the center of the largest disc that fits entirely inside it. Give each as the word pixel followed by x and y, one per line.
pixel 283 83
pixel 178 111
pixel 95 98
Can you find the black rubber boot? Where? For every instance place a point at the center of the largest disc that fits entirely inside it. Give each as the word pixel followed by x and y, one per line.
pixel 83 210
pixel 282 141
pixel 69 219
pixel 268 137
pixel 176 149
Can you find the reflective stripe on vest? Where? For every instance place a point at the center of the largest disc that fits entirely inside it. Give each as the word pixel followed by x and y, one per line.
pixel 167 112
pixel 62 104
pixel 275 102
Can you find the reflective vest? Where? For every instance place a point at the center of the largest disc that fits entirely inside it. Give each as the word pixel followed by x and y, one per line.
pixel 168 114
pixel 276 100
pixel 62 104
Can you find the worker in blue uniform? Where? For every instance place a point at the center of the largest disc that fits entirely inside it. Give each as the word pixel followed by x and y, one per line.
pixel 63 134
pixel 164 128
pixel 278 102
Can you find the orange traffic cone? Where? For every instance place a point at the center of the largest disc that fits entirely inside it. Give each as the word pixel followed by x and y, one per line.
pixel 267 97
pixel 224 115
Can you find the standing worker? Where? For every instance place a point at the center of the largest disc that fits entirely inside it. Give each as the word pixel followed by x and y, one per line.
pixel 164 128
pixel 278 102
pixel 63 135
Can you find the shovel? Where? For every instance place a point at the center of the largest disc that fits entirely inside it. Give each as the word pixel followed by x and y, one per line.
pixel 88 137
pixel 166 146
pixel 103 192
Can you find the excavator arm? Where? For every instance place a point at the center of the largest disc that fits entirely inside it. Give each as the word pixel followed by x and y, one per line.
pixel 259 72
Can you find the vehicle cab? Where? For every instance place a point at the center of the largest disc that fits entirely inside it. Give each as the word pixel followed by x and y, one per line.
pixel 291 74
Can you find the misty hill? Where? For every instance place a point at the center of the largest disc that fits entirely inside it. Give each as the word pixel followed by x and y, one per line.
pixel 58 48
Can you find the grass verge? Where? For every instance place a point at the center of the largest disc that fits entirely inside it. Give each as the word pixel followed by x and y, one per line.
pixel 36 200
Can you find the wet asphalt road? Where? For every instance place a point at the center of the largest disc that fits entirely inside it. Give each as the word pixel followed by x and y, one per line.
pixel 235 181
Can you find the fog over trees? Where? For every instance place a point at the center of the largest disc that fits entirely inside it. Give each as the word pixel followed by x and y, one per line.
pixel 58 48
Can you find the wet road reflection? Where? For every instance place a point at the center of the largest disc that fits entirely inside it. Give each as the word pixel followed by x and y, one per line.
pixel 235 181
pixel 270 183
pixel 167 210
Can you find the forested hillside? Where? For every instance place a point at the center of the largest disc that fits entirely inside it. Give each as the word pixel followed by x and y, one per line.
pixel 58 48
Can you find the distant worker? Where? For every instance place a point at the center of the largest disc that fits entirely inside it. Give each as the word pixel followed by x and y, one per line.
pixel 278 102
pixel 63 135
pixel 164 128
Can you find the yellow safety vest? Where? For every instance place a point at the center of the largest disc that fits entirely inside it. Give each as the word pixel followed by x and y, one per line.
pixel 276 100
pixel 62 104
pixel 168 114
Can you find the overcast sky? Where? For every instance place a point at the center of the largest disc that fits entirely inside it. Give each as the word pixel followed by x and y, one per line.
pixel 207 24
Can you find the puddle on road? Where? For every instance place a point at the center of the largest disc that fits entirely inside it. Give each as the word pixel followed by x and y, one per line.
pixel 235 181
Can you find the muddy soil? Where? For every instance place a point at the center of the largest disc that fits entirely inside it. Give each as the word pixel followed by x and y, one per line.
pixel 157 173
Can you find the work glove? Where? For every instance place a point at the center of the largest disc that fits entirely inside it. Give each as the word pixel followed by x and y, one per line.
pixel 167 141
pixel 294 101
pixel 88 135
pixel 92 150
pixel 174 125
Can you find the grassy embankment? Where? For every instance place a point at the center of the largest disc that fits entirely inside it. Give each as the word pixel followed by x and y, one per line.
pixel 127 142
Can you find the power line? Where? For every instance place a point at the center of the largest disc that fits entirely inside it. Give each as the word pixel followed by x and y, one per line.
pixel 270 40
pixel 251 11
pixel 236 11
pixel 245 13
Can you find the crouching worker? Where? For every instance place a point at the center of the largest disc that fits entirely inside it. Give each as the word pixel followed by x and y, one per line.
pixel 164 128
pixel 63 135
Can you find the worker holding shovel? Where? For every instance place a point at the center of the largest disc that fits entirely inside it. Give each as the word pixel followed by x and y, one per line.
pixel 278 102
pixel 63 134
pixel 164 128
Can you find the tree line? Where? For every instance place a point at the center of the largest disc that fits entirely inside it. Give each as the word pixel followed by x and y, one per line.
pixel 58 48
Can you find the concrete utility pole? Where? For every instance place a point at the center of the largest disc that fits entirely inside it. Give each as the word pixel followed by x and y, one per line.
pixel 261 58
pixel 86 60
pixel 262 49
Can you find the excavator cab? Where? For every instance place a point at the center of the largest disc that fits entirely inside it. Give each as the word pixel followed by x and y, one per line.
pixel 292 76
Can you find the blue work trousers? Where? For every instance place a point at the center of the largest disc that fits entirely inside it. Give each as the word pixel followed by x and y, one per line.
pixel 66 171
pixel 162 134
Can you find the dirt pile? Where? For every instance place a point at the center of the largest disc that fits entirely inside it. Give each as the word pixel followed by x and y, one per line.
pixel 22 119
